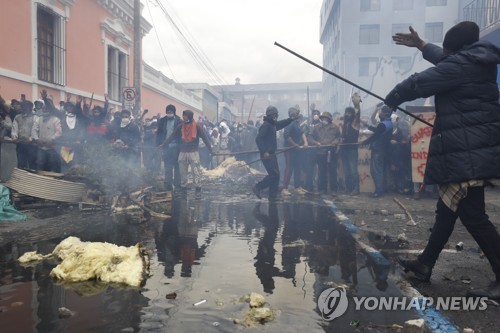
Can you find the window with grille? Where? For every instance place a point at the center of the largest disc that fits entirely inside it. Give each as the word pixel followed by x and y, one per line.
pixel 404 63
pixel 370 5
pixel 434 32
pixel 367 66
pixel 369 34
pixel 50 46
pixel 117 73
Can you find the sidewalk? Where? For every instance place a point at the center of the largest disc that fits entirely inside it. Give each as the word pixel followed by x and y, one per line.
pixel 383 224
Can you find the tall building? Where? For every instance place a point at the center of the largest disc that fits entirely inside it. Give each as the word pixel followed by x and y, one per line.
pixel 486 13
pixel 357 44
pixel 250 101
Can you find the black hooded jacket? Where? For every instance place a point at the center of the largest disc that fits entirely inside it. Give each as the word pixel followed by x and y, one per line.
pixel 266 138
pixel 465 141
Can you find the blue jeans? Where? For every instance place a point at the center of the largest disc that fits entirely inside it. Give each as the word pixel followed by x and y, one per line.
pixel 350 164
pixel 377 169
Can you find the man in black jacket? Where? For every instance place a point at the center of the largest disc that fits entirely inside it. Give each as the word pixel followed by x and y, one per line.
pixel 266 142
pixel 464 150
pixel 167 126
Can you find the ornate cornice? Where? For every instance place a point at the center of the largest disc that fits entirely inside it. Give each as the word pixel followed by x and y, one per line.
pixel 116 29
pixel 124 10
pixel 68 3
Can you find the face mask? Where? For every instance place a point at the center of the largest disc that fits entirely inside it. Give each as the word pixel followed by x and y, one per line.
pixel 324 122
pixel 315 117
pixel 187 121
pixel 124 122
pixel 170 115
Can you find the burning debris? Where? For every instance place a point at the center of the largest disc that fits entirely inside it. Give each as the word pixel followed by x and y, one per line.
pixel 105 262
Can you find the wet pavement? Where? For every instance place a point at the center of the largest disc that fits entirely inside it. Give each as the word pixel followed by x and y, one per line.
pixel 217 248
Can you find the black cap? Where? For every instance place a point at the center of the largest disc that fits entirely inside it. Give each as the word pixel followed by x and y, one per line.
pixel 271 111
pixel 27 105
pixel 170 108
pixel 461 34
pixel 69 105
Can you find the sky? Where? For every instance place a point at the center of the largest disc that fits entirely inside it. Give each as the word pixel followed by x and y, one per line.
pixel 237 37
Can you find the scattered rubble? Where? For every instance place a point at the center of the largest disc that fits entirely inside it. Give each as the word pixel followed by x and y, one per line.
pixel 257 314
pixel 65 313
pixel 414 326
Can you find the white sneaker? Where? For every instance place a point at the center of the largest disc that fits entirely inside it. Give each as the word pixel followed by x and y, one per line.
pixel 285 192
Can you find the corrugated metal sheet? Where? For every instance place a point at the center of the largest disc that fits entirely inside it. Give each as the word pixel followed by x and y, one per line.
pixel 43 187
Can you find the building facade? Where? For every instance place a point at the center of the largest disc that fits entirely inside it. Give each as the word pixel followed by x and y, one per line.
pixel 486 13
pixel 357 43
pixel 79 47
pixel 251 100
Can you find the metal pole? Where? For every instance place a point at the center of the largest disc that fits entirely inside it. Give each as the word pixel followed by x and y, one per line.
pixel 308 116
pixel 349 82
pixel 137 56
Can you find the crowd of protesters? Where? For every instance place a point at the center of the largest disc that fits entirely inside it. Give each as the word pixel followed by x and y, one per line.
pixel 50 138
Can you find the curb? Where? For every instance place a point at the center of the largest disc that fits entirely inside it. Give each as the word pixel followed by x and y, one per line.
pixel 435 321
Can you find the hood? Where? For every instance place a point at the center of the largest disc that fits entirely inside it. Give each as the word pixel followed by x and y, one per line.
pixel 481 52
pixel 227 130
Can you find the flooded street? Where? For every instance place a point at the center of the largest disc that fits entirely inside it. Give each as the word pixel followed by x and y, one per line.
pixel 211 252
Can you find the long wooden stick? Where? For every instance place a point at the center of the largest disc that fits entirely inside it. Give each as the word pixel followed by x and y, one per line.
pixel 350 82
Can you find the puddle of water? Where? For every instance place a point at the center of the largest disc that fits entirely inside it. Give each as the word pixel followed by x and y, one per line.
pixel 211 249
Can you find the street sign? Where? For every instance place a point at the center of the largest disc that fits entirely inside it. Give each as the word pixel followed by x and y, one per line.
pixel 129 97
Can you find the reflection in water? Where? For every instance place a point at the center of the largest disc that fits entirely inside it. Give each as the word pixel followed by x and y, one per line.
pixel 242 240
pixel 264 260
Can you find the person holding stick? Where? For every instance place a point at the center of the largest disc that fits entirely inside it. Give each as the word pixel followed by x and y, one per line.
pixel 349 153
pixel 267 144
pixel 464 150
pixel 326 134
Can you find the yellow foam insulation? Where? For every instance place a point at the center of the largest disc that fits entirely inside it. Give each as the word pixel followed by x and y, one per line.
pixel 230 168
pixel 29 257
pixel 83 261
pixel 258 313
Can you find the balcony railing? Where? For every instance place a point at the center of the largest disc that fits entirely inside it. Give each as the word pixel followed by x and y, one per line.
pixel 484 12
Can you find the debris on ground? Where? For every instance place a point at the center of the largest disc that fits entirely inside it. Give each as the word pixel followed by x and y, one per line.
pixel 414 326
pixel 200 302
pixel 257 314
pixel 230 168
pixel 65 313
pixel 171 295
pixel 110 263
pixel 402 238
pixel 336 285
pixel 411 221
pixel 459 246
pixel 468 330
pixel 30 256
